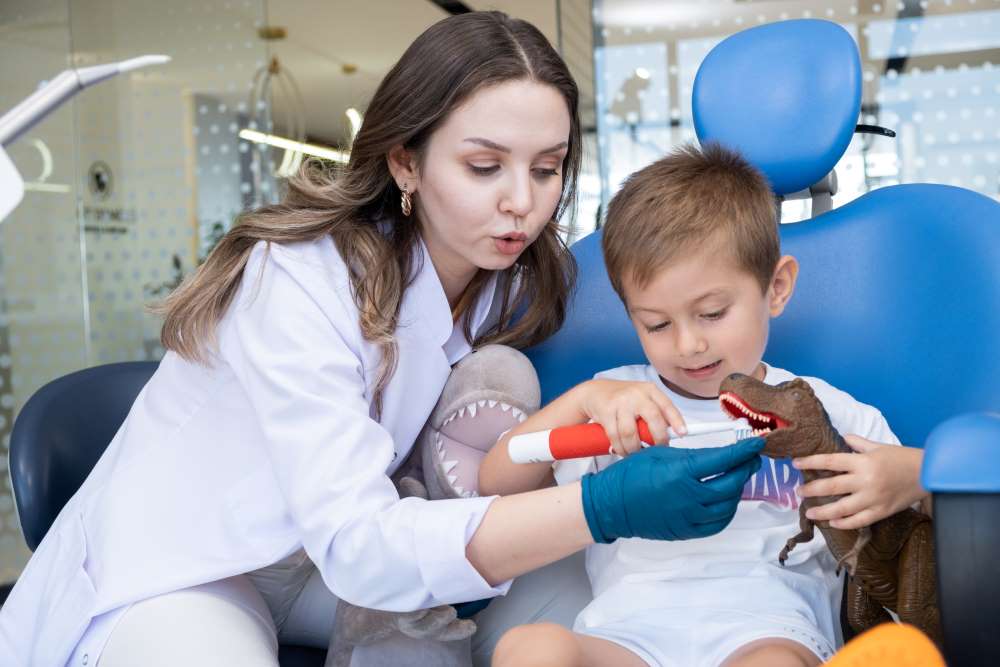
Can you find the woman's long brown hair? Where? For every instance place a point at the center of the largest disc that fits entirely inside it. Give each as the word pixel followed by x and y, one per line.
pixel 448 63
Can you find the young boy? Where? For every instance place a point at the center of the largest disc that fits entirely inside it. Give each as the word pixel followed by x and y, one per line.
pixel 691 246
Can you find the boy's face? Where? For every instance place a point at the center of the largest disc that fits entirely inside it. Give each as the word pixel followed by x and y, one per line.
pixel 703 317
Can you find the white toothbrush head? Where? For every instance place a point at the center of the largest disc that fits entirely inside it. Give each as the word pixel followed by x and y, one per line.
pixel 742 429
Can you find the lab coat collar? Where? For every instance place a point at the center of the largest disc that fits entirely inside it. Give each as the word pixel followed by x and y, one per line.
pixel 425 311
pixel 482 307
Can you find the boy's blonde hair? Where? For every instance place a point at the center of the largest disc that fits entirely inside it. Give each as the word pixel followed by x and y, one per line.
pixel 689 198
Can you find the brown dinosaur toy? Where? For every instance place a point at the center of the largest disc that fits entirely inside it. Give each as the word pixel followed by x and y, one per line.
pixel 890 563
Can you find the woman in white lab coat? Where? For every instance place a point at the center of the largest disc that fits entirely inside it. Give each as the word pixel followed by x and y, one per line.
pixel 303 359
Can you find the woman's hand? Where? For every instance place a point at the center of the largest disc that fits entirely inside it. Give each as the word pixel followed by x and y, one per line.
pixel 668 493
pixel 877 482
pixel 615 405
pixel 657 493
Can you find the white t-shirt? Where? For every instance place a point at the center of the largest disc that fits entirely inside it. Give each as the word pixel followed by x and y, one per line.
pixel 767 517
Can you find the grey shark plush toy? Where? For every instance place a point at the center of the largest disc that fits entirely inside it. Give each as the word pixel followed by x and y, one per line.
pixel 489 391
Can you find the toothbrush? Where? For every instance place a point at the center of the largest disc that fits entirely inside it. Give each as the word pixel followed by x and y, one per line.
pixel 582 440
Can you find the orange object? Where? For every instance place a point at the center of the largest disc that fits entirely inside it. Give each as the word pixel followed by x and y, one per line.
pixel 888 645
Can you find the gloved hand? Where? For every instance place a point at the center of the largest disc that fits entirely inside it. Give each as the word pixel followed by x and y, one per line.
pixel 657 493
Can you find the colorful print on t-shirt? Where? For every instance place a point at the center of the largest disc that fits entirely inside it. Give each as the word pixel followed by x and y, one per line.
pixel 775 483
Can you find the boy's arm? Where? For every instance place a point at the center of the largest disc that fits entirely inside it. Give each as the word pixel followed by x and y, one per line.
pixel 614 404
pixel 498 475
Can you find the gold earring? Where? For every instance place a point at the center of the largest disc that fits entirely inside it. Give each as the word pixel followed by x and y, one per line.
pixel 406 203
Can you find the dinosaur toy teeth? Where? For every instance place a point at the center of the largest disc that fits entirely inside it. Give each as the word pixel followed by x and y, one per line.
pixel 762 423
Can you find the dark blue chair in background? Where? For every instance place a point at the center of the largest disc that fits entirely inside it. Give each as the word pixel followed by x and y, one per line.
pixel 898 300
pixel 61 432
pixel 59 435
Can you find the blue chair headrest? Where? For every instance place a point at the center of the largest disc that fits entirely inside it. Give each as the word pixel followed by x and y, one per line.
pixel 786 95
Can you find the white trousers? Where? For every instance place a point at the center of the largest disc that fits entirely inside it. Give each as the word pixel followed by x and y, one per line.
pixel 228 622
pixel 224 622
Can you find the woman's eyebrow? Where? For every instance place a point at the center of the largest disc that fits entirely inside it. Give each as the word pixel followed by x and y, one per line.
pixel 488 144
pixel 503 149
pixel 554 149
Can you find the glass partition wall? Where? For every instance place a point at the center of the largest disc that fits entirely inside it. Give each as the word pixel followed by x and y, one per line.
pixel 126 185
pixel 931 73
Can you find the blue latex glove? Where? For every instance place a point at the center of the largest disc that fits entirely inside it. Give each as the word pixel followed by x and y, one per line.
pixel 657 492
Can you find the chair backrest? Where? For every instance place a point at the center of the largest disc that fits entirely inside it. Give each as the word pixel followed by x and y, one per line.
pixel 786 94
pixel 898 303
pixel 898 300
pixel 61 432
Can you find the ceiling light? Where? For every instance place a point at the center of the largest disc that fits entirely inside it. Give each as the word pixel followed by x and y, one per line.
pixel 355 117
pixel 300 146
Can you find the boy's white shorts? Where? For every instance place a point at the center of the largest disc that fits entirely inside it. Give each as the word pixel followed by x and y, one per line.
pixel 702 633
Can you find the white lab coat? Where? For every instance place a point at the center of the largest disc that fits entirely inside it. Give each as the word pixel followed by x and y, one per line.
pixel 225 469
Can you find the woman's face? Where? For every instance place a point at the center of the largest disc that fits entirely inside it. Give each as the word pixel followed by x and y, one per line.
pixel 490 178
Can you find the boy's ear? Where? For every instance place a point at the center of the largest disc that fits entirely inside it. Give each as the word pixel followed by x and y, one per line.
pixel 403 167
pixel 782 284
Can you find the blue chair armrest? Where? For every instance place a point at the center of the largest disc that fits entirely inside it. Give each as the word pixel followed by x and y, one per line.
pixel 962 469
pixel 962 455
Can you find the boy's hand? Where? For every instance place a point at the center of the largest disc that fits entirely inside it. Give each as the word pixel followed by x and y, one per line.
pixel 615 405
pixel 875 483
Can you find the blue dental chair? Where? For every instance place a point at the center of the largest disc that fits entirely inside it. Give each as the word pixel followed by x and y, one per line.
pixel 898 299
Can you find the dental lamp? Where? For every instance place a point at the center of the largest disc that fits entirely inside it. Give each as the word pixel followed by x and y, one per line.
pixel 43 101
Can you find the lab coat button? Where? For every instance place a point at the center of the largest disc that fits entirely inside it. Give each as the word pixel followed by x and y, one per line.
pixel 86 658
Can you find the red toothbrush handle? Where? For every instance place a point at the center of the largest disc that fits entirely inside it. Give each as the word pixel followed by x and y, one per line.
pixel 570 442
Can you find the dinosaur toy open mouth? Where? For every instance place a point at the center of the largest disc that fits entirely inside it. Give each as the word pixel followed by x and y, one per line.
pixel 762 423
